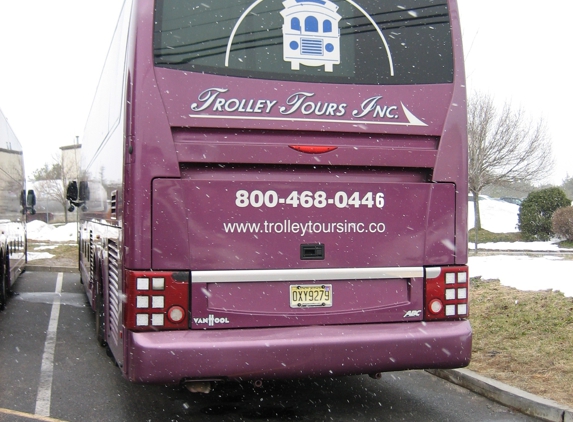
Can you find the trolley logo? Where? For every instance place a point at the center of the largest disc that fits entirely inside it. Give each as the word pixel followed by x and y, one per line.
pixel 301 103
pixel 310 33
pixel 211 320
pixel 411 314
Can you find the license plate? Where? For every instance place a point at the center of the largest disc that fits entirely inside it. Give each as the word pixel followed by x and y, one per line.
pixel 306 295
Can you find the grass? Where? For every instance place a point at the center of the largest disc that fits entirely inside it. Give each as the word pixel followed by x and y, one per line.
pixel 524 339
pixel 65 253
pixel 486 237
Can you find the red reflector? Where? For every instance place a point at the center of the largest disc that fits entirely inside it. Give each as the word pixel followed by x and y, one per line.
pixel 436 306
pixel 309 149
pixel 176 314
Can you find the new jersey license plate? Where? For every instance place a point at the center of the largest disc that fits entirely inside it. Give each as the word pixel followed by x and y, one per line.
pixel 306 295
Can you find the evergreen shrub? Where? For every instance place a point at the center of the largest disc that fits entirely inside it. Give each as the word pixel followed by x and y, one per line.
pixel 536 211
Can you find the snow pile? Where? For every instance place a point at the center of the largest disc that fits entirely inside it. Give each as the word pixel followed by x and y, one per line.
pixel 38 230
pixel 525 272
pixel 496 216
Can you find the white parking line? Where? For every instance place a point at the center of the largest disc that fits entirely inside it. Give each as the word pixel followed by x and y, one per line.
pixel 43 399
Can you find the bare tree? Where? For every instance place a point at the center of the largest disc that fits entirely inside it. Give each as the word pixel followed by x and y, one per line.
pixel 51 182
pixel 505 146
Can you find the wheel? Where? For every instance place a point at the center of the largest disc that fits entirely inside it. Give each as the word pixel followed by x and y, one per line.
pixel 3 285
pixel 5 282
pixel 99 311
pixel 100 320
pixel 8 278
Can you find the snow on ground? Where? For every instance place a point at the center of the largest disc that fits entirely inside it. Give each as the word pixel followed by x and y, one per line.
pixel 525 273
pixel 32 256
pixel 496 216
pixel 45 247
pixel 519 271
pixel 38 230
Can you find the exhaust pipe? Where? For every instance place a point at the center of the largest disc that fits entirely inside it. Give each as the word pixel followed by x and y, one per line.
pixel 203 387
pixel 258 383
pixel 376 375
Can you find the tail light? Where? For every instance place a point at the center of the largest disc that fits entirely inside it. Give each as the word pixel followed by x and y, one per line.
pixel 157 300
pixel 446 293
pixel 312 149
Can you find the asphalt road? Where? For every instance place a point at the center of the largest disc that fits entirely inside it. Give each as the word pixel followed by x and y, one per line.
pixel 51 368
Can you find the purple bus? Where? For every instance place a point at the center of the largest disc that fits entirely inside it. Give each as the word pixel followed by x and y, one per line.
pixel 244 216
pixel 13 208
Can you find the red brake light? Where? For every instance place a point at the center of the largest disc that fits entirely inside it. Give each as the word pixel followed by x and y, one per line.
pixel 446 293
pixel 310 149
pixel 156 300
pixel 436 306
pixel 176 314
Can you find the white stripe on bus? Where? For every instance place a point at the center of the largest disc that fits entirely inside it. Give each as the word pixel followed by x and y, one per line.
pixel 244 276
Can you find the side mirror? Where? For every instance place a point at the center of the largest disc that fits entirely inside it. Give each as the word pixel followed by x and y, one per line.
pixel 29 201
pixel 72 191
pixel 31 198
pixel 23 201
pixel 77 197
pixel 84 191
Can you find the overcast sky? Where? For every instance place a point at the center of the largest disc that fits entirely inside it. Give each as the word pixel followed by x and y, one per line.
pixel 51 56
pixel 52 51
pixel 520 51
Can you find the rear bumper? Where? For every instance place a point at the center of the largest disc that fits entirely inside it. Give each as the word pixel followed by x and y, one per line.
pixel 291 352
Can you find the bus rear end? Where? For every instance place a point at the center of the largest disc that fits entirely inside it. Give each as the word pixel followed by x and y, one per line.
pixel 305 219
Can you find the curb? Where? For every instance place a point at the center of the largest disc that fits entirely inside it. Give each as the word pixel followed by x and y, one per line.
pixel 512 397
pixel 54 269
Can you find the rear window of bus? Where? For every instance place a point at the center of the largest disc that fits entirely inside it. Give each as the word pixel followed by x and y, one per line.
pixel 370 42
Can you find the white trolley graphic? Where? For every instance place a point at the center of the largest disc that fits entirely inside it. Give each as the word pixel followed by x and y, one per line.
pixel 310 33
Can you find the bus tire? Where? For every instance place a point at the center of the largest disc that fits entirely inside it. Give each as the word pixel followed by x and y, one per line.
pixel 3 285
pixel 5 288
pixel 100 320
pixel 99 310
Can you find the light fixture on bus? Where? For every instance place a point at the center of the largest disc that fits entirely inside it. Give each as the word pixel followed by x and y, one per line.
pixel 312 149
pixel 176 314
pixel 446 293
pixel 157 300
